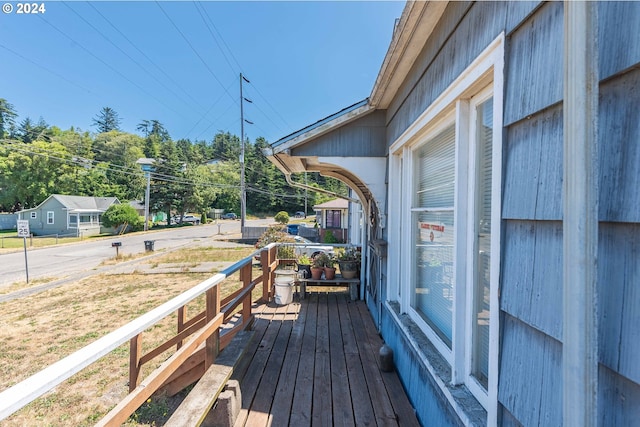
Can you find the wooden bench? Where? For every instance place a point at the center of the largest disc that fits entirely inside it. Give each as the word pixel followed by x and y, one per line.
pixel 195 407
pixel 338 281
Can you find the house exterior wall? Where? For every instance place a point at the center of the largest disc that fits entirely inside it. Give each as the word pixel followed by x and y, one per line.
pixel 61 226
pixel 529 389
pixel 39 225
pixel 362 137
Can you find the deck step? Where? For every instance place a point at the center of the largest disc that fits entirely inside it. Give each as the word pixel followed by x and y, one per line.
pixel 195 407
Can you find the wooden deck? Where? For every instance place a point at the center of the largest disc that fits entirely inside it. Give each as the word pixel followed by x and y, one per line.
pixel 315 362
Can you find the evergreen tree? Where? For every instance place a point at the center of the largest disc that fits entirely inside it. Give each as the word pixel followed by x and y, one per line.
pixel 8 117
pixel 167 189
pixel 107 120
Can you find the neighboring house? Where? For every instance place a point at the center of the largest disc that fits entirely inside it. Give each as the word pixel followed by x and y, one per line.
pixel 333 216
pixel 460 157
pixel 154 217
pixel 8 221
pixel 68 215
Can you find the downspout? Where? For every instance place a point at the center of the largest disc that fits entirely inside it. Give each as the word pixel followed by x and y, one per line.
pixel 316 189
pixel 580 216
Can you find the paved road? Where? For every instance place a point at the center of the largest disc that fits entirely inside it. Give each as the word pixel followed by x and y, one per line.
pixel 63 260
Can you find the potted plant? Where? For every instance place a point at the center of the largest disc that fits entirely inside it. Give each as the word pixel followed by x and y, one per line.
pixel 329 267
pixel 304 265
pixel 349 262
pixel 317 268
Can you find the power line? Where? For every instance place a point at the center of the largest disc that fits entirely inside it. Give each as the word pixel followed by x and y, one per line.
pixel 161 69
pixel 195 51
pixel 46 69
pixel 105 63
pixel 123 52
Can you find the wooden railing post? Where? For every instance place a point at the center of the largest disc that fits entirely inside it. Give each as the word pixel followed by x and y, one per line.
pixel 265 261
pixel 212 346
pixel 182 316
pixel 246 274
pixel 135 352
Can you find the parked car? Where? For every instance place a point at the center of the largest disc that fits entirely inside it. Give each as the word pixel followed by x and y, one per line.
pixel 311 251
pixel 186 219
pixel 300 214
pixel 229 215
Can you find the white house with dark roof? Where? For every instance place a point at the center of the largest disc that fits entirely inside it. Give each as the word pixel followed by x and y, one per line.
pixel 68 215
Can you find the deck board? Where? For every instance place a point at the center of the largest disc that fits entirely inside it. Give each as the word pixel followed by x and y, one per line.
pixel 314 363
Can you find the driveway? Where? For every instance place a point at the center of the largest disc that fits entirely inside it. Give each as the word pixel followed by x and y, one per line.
pixel 61 261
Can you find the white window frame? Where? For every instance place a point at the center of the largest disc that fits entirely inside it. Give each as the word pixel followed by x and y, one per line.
pixel 50 217
pixel 71 224
pixel 34 215
pixel 486 73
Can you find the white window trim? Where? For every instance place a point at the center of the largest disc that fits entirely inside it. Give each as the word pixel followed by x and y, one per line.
pixel 51 217
pixel 471 149
pixel 488 68
pixel 34 215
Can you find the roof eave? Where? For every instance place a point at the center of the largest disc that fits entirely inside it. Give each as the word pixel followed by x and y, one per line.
pixel 322 127
pixel 417 22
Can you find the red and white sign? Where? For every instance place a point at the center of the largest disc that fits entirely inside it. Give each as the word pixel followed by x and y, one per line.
pixel 430 232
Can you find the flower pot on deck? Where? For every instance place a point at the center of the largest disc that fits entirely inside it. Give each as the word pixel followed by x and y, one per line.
pixel 329 273
pixel 316 273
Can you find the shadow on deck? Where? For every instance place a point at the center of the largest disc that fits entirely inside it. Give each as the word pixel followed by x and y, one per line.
pixel 315 362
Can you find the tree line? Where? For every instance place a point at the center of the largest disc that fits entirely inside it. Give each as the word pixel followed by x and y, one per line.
pixel 37 160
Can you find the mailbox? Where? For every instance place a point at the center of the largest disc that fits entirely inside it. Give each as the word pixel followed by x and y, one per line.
pixel 116 244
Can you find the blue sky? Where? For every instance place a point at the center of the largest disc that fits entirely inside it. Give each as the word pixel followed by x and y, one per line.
pixel 305 60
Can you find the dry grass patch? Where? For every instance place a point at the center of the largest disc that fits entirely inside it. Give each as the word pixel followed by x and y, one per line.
pixel 42 329
pixel 204 254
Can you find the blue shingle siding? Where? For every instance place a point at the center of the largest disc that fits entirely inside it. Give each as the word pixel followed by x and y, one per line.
pixel 531 285
pixel 531 282
pixel 534 64
pixel 619 293
pixel 618 37
pixel 619 145
pixel 530 384
pixel 617 400
pixel 533 168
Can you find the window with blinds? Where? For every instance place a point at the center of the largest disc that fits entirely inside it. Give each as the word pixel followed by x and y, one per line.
pixel 433 219
pixel 482 244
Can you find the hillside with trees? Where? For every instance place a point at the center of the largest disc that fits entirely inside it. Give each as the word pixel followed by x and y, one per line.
pixel 38 159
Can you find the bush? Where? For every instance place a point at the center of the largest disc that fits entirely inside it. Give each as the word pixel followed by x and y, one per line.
pixel 274 235
pixel 282 217
pixel 329 237
pixel 121 215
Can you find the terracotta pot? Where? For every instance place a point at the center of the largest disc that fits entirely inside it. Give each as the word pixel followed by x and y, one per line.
pixel 329 273
pixel 316 273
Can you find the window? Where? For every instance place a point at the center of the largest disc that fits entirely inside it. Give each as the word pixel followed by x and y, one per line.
pixel 446 189
pixel 34 215
pixel 49 217
pixel 480 249
pixel 333 219
pixel 433 221
pixel 73 220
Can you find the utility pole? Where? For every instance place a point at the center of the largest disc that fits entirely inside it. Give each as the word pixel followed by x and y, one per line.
pixel 243 188
pixel 306 194
pixel 147 194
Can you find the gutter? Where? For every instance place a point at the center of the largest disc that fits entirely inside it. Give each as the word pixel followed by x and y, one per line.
pixel 317 190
